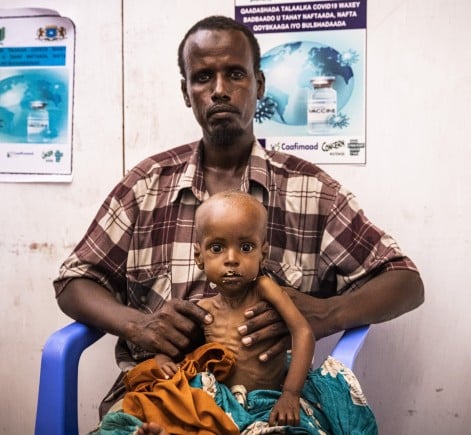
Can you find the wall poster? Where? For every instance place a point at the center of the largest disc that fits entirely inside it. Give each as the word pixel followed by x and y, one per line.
pixel 314 60
pixel 36 95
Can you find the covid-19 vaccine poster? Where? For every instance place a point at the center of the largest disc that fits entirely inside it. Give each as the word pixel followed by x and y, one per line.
pixel 313 55
pixel 36 95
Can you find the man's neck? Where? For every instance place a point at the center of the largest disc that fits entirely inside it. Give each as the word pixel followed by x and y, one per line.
pixel 230 156
pixel 224 167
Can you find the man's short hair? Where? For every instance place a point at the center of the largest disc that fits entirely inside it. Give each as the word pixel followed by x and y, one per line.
pixel 219 22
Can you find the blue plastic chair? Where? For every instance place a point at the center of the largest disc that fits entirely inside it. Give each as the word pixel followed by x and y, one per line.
pixel 57 399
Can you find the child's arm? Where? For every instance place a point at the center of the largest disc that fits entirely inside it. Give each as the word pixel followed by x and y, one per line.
pixel 286 410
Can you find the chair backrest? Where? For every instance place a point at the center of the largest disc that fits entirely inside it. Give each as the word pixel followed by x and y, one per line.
pixel 57 398
pixel 57 408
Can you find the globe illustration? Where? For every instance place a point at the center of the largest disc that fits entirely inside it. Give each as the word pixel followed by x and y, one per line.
pixel 289 69
pixel 20 93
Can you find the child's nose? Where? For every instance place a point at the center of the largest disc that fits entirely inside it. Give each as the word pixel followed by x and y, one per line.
pixel 232 257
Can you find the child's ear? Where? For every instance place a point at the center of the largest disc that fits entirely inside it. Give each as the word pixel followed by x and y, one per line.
pixel 197 256
pixel 264 250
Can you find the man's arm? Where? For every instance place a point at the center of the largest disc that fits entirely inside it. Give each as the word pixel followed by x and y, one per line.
pixel 382 298
pixel 169 330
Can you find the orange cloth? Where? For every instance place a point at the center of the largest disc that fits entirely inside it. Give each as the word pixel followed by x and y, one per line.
pixel 173 403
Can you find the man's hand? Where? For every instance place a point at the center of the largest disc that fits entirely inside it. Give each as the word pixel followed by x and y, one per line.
pixel 170 330
pixel 264 323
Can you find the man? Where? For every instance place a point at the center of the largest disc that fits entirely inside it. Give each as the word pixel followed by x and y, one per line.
pixel 133 275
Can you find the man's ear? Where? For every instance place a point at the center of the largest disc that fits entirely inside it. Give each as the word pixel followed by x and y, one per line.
pixel 197 256
pixel 185 93
pixel 260 77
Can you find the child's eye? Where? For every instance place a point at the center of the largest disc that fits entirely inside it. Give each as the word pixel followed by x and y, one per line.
pixel 216 249
pixel 246 247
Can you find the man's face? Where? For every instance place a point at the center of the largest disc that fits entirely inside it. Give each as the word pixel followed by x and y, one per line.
pixel 221 85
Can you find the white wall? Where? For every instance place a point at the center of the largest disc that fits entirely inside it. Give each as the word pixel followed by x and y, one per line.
pixel 415 369
pixel 40 223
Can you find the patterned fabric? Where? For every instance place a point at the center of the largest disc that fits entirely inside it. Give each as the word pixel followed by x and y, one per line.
pixel 139 246
pixel 332 402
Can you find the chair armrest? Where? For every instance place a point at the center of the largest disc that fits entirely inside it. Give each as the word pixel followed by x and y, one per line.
pixel 57 398
pixel 349 345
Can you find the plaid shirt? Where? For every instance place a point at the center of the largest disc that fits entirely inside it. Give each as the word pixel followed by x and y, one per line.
pixel 139 246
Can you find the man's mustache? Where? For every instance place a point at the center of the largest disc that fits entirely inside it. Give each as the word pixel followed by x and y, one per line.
pixel 218 108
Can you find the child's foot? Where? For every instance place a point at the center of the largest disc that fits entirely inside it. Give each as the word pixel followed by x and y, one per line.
pixel 151 429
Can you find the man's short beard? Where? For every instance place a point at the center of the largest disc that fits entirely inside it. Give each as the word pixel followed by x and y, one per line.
pixel 226 136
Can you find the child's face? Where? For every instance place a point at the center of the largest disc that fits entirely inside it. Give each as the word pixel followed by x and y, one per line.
pixel 232 248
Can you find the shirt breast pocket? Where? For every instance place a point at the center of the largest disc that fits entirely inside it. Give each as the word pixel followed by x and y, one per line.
pixel 284 274
pixel 147 291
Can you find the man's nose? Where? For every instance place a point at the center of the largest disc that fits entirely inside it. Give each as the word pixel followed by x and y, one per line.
pixel 221 89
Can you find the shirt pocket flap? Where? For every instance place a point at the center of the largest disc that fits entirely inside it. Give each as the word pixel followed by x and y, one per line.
pixel 148 291
pixel 284 274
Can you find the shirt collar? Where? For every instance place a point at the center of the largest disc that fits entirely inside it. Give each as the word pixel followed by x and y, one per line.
pixel 258 166
pixel 193 178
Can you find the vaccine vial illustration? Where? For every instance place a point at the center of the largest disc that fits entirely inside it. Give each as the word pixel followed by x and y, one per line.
pixel 37 122
pixel 321 105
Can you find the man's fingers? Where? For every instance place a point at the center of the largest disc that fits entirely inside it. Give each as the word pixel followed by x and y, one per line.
pixel 258 308
pixel 179 320
pixel 279 347
pixel 261 316
pixel 260 334
pixel 179 339
pixel 192 310
pixel 264 324
pixel 172 329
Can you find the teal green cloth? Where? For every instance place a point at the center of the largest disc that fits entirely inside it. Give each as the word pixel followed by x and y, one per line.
pixel 332 403
pixel 117 423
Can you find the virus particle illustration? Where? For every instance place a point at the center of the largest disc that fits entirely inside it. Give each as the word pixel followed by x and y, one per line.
pixel 339 120
pixel 266 108
pixel 326 60
pixel 348 57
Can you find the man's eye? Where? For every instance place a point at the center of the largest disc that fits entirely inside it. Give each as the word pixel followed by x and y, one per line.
pixel 216 249
pixel 246 247
pixel 202 77
pixel 237 75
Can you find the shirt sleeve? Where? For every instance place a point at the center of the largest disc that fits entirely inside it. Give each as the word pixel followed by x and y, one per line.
pixel 102 253
pixel 353 249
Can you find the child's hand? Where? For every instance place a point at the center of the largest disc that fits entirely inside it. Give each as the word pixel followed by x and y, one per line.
pixel 286 410
pixel 166 364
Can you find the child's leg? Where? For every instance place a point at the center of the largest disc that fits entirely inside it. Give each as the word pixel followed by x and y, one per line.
pixel 151 429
